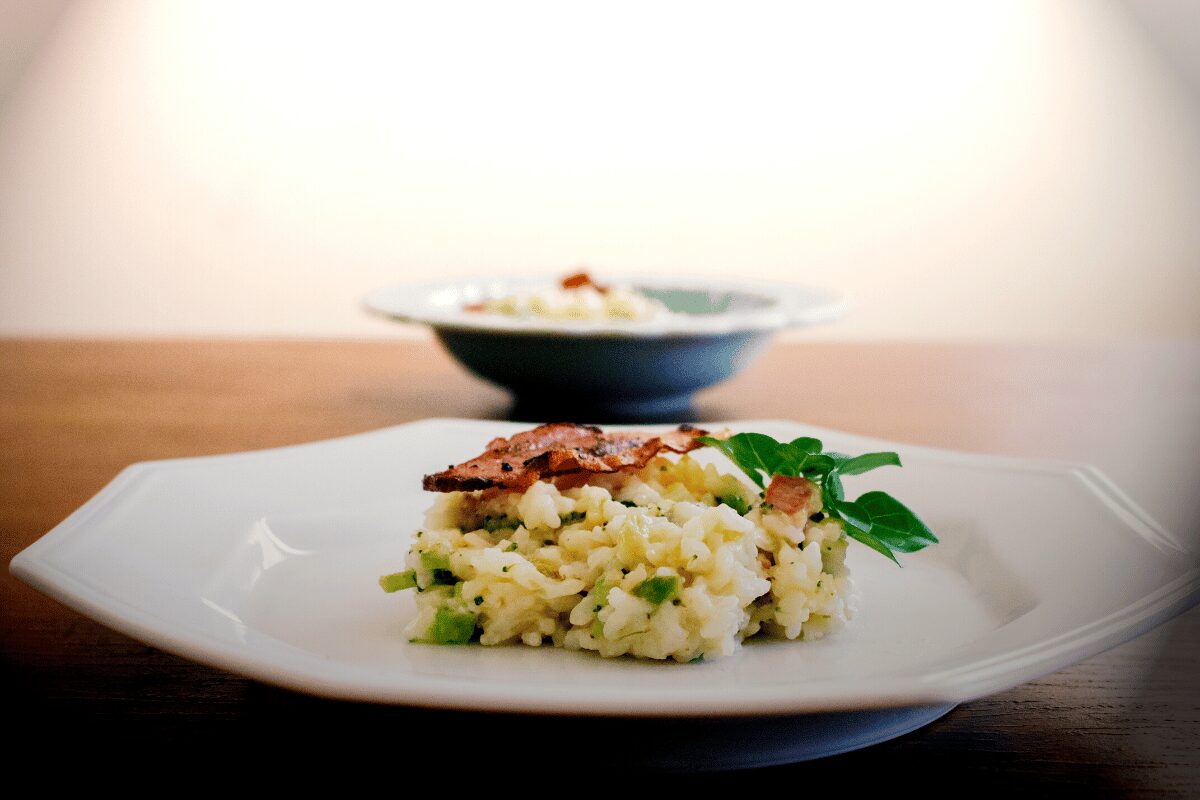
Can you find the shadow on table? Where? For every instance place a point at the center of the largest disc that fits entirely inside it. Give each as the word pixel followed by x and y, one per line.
pixel 940 754
pixel 181 713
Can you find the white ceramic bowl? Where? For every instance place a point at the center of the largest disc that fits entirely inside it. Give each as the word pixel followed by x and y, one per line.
pixel 611 369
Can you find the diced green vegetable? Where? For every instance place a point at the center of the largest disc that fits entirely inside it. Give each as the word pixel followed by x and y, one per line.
pixel 452 627
pixel 658 589
pixel 398 580
pixel 438 565
pixel 734 501
pixel 511 547
pixel 432 560
pixel 600 593
pixel 500 523
pixel 572 517
pixel 597 629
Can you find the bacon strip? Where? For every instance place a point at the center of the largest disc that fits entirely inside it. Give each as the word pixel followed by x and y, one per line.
pixel 556 450
pixel 790 494
pixel 580 279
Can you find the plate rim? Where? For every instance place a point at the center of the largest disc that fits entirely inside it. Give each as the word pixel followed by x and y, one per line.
pixel 954 684
pixel 799 305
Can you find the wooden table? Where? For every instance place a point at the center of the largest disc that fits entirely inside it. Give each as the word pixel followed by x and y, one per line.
pixel 73 413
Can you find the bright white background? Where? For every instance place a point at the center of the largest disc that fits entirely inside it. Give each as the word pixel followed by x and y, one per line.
pixel 1008 169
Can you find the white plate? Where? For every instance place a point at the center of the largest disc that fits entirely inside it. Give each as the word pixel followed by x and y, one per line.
pixel 759 306
pixel 265 563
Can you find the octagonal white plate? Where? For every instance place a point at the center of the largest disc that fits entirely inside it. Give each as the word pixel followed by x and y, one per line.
pixel 265 563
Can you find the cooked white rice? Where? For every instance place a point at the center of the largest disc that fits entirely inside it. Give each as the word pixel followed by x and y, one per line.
pixel 564 567
pixel 579 303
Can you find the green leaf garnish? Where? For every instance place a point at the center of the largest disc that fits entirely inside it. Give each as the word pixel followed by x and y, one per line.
pixel 867 462
pixel 855 514
pixel 875 519
pixel 833 492
pixel 754 453
pixel 871 541
pixel 894 524
pixel 807 444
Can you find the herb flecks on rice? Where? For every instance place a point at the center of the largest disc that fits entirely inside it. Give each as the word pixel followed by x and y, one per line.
pixel 675 560
pixel 570 536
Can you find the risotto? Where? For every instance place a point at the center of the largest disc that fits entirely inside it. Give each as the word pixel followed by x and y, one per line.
pixel 675 560
pixel 577 297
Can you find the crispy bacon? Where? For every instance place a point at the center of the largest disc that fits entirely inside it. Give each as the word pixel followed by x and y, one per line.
pixel 790 494
pixel 560 451
pixel 580 279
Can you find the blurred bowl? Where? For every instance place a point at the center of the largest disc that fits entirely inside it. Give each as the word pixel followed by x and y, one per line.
pixel 612 369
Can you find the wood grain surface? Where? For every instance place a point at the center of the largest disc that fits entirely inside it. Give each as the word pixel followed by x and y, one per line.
pixel 73 413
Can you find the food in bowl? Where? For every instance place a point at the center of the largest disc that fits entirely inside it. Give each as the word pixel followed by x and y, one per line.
pixel 577 297
pixel 613 369
pixel 623 544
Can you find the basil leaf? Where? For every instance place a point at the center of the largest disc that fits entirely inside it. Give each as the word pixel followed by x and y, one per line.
pixel 868 462
pixel 855 514
pixel 813 465
pixel 833 488
pixel 871 541
pixel 838 458
pixel 894 524
pixel 728 449
pixel 757 453
pixel 876 519
pixel 752 452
